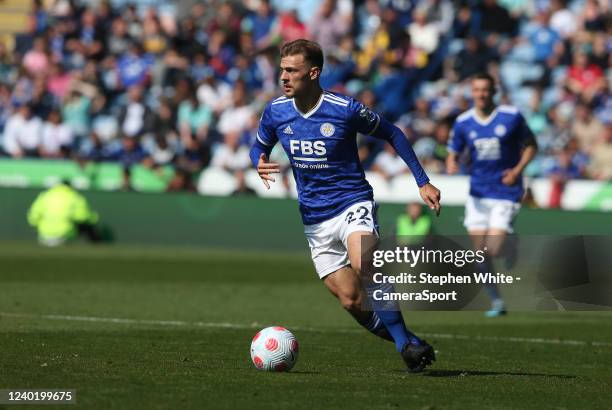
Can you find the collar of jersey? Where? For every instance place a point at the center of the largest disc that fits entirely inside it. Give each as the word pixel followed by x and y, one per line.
pixel 312 110
pixel 485 121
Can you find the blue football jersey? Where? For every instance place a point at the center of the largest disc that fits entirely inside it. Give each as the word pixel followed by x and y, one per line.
pixel 321 145
pixel 494 145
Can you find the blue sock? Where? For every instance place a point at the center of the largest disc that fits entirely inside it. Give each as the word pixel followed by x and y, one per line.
pixel 490 288
pixel 394 322
pixel 389 314
pixel 374 325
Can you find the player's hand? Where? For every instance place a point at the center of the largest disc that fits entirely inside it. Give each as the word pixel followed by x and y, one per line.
pixel 265 168
pixel 510 176
pixel 431 196
pixel 451 166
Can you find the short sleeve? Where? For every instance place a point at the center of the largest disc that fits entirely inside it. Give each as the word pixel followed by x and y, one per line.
pixel 362 119
pixel 523 132
pixel 456 142
pixel 266 133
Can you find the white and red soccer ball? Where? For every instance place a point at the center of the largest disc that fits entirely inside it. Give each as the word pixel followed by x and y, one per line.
pixel 274 349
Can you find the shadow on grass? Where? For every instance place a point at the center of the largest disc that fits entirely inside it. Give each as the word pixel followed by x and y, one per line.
pixel 472 373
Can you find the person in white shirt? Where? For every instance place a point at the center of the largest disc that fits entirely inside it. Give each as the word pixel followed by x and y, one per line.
pixel 57 138
pixel 389 164
pixel 235 119
pixel 233 158
pixel 423 35
pixel 22 133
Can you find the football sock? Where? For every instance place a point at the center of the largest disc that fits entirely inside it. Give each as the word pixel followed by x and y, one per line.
pixel 394 322
pixel 375 326
pixel 389 314
pixel 490 288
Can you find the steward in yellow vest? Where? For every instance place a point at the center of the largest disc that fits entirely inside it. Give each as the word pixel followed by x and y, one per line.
pixel 60 214
pixel 413 227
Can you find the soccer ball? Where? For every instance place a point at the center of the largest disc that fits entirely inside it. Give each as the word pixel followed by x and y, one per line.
pixel 274 349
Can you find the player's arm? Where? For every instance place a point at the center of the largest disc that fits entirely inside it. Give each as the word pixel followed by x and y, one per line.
pixel 262 147
pixel 456 143
pixel 452 163
pixel 530 149
pixel 259 158
pixel 392 134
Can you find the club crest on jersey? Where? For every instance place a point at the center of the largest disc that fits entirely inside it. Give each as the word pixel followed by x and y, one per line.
pixel 500 130
pixel 472 135
pixel 366 113
pixel 327 129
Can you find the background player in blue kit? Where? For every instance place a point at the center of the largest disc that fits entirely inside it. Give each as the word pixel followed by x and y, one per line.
pixel 500 145
pixel 317 129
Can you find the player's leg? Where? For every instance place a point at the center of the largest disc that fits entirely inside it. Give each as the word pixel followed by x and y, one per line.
pixel 390 316
pixel 477 220
pixel 416 353
pixel 501 217
pixel 345 285
pixel 331 261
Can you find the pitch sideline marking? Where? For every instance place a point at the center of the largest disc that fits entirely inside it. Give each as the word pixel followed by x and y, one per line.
pixel 228 325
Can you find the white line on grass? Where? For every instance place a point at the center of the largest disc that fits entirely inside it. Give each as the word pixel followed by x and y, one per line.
pixel 228 325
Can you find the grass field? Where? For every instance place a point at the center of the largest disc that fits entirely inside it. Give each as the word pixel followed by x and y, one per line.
pixel 170 328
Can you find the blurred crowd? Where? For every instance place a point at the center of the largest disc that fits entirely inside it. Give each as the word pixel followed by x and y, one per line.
pixel 97 81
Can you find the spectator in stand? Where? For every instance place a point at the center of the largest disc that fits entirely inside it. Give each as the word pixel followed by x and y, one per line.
pixel 601 161
pixel 75 113
pixel 544 39
pixel 584 79
pixel 586 128
pixel 472 59
pixel 564 170
pixel 58 81
pixel 22 133
pixel 136 117
pixel 233 158
pixel 215 94
pixel 562 20
pixel 57 138
pixel 593 17
pixel 90 37
pixel 494 19
pixel 235 119
pixel 260 23
pixel 42 100
pixel 135 66
pixel 130 155
pixel 153 39
pixel 289 27
pixel 328 25
pixel 194 119
pixel 118 41
pixel 424 35
pixel 36 61
pixel 388 164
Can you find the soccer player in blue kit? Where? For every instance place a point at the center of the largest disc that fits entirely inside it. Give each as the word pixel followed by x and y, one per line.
pixel 317 129
pixel 500 145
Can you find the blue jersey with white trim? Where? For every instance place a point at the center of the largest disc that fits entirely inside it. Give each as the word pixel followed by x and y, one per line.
pixel 494 145
pixel 321 145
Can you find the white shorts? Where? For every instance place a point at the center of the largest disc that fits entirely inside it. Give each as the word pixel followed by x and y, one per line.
pixel 328 239
pixel 488 213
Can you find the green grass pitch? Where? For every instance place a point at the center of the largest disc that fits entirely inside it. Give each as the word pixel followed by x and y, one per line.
pixel 141 328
